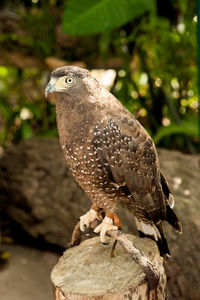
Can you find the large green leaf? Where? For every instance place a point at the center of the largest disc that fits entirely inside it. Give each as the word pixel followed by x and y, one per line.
pixel 186 127
pixel 82 17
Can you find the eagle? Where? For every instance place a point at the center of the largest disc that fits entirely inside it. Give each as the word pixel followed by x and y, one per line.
pixel 111 156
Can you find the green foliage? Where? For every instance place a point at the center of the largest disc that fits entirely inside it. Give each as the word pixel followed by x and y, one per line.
pixel 187 127
pixel 24 114
pixel 162 82
pixel 41 31
pixel 153 53
pixel 90 17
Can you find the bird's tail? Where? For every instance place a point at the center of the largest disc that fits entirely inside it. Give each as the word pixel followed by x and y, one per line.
pixel 155 232
pixel 171 217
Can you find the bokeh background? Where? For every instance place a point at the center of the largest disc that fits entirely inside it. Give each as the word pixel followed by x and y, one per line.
pixel 152 48
pixel 145 53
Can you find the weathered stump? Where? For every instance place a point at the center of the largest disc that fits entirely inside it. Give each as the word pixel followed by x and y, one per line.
pixel 87 272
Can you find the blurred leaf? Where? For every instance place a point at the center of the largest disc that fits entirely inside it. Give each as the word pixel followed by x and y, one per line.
pixel 35 109
pixel 5 108
pixel 83 17
pixel 50 133
pixel 104 43
pixel 5 255
pixel 2 137
pixel 186 127
pixel 26 130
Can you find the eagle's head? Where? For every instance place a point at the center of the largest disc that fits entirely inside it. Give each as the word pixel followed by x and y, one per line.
pixel 71 80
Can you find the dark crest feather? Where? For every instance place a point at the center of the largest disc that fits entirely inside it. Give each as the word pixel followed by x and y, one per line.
pixel 70 70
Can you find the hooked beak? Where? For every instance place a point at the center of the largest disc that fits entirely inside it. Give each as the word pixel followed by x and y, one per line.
pixel 50 88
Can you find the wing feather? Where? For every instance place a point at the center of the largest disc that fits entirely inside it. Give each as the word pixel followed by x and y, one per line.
pixel 128 156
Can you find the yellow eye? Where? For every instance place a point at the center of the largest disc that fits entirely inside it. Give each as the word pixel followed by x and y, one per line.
pixel 69 80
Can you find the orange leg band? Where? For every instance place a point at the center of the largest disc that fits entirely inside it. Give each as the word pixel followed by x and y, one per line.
pixel 94 207
pixel 115 218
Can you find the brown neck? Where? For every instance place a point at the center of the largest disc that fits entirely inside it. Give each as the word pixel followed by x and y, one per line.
pixel 77 115
pixel 74 117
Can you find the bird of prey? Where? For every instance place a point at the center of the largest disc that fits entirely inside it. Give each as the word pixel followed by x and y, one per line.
pixel 111 156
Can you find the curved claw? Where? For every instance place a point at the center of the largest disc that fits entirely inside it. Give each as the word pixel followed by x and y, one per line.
pixel 107 224
pixel 87 218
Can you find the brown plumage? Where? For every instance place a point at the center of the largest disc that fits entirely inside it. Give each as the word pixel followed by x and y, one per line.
pixel 110 154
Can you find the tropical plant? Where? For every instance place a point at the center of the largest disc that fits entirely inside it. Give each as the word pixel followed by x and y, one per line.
pixel 151 45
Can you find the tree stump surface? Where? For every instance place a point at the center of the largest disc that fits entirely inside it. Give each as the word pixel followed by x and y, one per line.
pixel 87 272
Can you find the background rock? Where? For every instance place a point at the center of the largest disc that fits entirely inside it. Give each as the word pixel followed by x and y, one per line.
pixel 38 190
pixel 183 269
pixel 39 193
